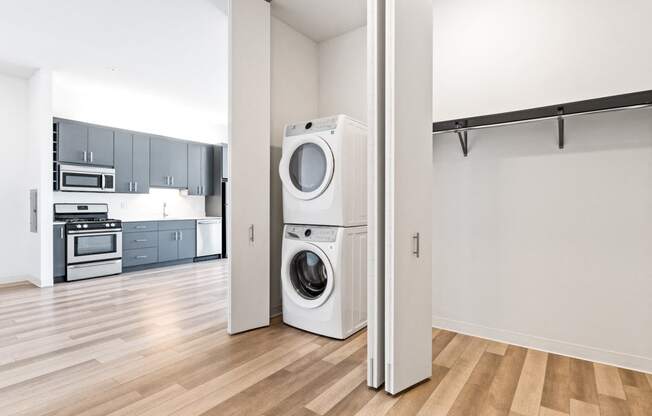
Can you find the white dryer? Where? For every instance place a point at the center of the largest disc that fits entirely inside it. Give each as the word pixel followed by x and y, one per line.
pixel 324 279
pixel 324 172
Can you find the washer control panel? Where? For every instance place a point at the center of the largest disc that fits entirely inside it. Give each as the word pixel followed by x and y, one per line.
pixel 317 234
pixel 312 126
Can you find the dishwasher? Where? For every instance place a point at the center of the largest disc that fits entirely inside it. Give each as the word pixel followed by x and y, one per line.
pixel 209 237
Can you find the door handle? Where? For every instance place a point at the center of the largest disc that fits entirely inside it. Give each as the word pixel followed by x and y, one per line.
pixel 61 232
pixel 84 156
pixel 130 187
pixel 252 235
pixel 176 236
pixel 141 257
pixel 172 180
pixel 180 235
pixel 415 239
pixel 140 241
pixel 91 156
pixel 135 186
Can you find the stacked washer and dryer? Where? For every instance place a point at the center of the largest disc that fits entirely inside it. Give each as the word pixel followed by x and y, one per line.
pixel 324 265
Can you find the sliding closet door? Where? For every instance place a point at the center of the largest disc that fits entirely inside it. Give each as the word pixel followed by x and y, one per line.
pixel 249 152
pixel 408 267
pixel 376 201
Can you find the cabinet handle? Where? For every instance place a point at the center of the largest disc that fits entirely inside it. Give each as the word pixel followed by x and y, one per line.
pixel 180 235
pixel 130 187
pixel 135 186
pixel 252 235
pixel 141 227
pixel 172 180
pixel 91 155
pixel 415 238
pixel 141 257
pixel 140 241
pixel 84 156
pixel 176 236
pixel 61 232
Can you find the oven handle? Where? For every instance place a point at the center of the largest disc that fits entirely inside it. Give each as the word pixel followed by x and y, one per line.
pixel 97 232
pixel 94 264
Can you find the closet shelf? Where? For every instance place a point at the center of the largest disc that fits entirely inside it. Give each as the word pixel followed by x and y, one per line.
pixel 461 126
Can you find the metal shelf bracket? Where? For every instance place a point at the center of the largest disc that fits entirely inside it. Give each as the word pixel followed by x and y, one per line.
pixel 560 126
pixel 464 140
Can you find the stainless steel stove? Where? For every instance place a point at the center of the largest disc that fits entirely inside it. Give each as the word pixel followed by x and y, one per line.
pixel 93 241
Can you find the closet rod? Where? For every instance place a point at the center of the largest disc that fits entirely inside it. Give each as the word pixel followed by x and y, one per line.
pixel 596 105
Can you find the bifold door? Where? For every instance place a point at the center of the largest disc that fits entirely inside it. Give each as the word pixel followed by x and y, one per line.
pixel 376 200
pixel 249 162
pixel 408 188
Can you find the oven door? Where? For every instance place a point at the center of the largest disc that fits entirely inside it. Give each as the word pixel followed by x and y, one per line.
pixel 93 245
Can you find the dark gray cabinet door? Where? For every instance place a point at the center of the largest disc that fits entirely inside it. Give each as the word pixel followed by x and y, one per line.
pixel 187 242
pixel 169 163
pixel 73 142
pixel 140 164
pixel 100 146
pixel 194 169
pixel 123 162
pixel 207 170
pixel 160 158
pixel 168 246
pixel 178 156
pixel 59 236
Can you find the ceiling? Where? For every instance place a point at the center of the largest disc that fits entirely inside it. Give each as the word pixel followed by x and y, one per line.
pixel 171 49
pixel 321 19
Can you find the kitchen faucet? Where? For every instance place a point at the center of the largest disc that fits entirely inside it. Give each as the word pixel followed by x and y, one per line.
pixel 165 213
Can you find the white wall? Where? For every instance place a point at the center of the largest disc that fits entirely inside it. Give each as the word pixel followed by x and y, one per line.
pixel 534 245
pixel 343 75
pixel 503 55
pixel 295 97
pixel 14 182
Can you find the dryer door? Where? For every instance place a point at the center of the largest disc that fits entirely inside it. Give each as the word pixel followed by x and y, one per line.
pixel 306 167
pixel 308 277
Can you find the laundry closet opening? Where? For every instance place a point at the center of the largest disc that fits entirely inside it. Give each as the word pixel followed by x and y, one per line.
pixel 318 166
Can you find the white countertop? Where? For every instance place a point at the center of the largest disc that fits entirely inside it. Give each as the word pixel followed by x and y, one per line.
pixel 145 219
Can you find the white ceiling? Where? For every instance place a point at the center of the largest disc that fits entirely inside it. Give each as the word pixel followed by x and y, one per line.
pixel 321 19
pixel 177 50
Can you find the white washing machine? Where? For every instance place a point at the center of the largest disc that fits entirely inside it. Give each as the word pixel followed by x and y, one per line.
pixel 324 172
pixel 324 279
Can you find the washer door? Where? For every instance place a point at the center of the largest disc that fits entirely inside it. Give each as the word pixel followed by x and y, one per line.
pixel 308 277
pixel 306 167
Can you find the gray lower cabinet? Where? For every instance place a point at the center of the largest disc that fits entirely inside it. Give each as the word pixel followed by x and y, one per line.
pixel 131 162
pixel 59 236
pixel 169 163
pixel 200 169
pixel 84 144
pixel 152 242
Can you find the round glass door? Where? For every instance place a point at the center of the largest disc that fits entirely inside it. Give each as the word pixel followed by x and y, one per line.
pixel 308 275
pixel 308 167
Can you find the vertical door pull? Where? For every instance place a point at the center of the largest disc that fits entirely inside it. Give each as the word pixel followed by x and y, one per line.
pixel 172 180
pixel 252 236
pixel 176 236
pixel 91 155
pixel 135 186
pixel 61 232
pixel 84 156
pixel 180 235
pixel 131 185
pixel 415 240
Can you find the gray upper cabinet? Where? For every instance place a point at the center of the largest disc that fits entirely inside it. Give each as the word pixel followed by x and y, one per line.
pixel 169 163
pixel 200 169
pixel 84 144
pixel 59 246
pixel 141 163
pixel 131 162
pixel 100 146
pixel 124 161
pixel 73 142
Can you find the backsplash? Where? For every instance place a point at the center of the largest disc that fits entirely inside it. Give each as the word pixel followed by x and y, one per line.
pixel 132 207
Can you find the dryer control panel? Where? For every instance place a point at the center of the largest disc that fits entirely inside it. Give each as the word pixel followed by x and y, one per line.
pixel 315 234
pixel 313 126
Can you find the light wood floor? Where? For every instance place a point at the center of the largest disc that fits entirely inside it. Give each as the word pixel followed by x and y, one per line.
pixel 154 343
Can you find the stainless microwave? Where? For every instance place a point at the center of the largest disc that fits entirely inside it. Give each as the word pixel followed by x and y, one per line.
pixel 86 178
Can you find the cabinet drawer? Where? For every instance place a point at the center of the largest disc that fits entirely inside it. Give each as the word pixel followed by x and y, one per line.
pixel 132 241
pixel 139 257
pixel 176 225
pixel 139 227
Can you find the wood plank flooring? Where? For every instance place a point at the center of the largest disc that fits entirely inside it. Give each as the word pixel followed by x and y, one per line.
pixel 154 343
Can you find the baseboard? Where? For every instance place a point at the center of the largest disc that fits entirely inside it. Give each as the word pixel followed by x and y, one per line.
pixel 14 281
pixel 618 359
